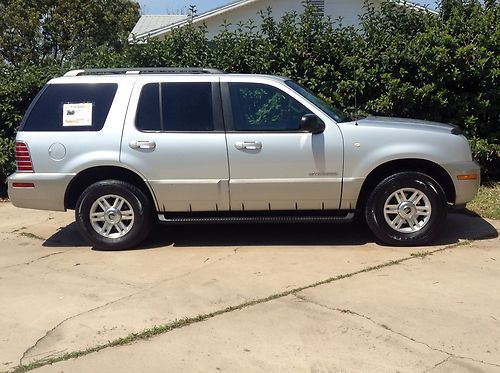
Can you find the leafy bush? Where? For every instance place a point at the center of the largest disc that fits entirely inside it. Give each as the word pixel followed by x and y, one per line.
pixel 45 30
pixel 402 62
pixel 7 165
pixel 488 156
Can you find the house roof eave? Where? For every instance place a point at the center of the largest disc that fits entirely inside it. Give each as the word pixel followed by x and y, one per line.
pixel 196 19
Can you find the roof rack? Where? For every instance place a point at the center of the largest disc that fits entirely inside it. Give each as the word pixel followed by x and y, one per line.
pixel 145 70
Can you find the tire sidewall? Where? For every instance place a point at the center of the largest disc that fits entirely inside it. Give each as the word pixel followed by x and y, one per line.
pixel 137 200
pixel 376 203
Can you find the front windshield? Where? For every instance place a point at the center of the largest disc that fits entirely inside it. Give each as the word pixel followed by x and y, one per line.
pixel 328 108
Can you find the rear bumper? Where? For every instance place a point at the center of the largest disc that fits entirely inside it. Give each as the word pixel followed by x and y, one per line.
pixel 465 190
pixel 47 193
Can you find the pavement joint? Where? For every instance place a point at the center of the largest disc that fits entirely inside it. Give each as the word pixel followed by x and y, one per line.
pixel 33 261
pixel 162 329
pixel 50 331
pixel 438 364
pixel 354 313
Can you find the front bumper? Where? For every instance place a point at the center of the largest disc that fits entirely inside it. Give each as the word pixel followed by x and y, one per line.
pixel 465 190
pixel 47 193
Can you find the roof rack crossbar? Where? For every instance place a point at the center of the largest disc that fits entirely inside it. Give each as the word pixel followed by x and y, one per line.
pixel 145 70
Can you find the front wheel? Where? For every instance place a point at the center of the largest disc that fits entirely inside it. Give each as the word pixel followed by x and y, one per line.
pixel 406 209
pixel 113 215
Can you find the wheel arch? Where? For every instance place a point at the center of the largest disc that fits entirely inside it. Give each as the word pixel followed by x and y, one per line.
pixel 93 175
pixel 426 167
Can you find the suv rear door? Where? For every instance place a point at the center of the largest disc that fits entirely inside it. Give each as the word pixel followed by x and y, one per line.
pixel 274 165
pixel 174 137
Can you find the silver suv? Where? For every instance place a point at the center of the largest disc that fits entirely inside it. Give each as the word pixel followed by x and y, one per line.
pixel 126 148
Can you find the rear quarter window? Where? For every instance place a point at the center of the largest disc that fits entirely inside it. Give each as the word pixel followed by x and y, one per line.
pixel 176 107
pixel 70 107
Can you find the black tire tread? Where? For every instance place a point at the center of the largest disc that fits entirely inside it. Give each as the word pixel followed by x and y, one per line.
pixel 387 235
pixel 140 202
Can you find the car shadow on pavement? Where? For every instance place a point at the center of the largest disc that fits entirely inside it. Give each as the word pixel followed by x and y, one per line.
pixel 458 227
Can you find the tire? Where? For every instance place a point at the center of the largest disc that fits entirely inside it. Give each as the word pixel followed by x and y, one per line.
pixel 122 215
pixel 406 209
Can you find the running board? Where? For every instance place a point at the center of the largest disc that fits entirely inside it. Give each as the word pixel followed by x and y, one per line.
pixel 255 218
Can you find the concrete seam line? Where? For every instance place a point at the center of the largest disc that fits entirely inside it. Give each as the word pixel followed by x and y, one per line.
pixel 151 286
pixel 176 324
pixel 33 261
pixel 387 328
pixel 438 364
pixel 69 318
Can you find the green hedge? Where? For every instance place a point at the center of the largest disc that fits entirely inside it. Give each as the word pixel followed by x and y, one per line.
pixel 443 67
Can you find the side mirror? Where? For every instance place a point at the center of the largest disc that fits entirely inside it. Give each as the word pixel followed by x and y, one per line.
pixel 312 123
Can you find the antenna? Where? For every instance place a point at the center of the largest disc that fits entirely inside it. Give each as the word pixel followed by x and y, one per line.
pixel 355 95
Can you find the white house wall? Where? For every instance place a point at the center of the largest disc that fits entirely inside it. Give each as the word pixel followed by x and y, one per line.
pixel 251 11
pixel 349 10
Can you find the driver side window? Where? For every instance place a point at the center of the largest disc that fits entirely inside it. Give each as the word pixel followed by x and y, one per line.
pixel 261 107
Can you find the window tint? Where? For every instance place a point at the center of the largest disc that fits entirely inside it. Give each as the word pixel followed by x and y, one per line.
pixel 148 110
pixel 176 107
pixel 187 107
pixel 260 107
pixel 71 107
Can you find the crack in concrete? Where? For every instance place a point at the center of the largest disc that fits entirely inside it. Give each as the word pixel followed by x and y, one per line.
pixel 25 227
pixel 152 286
pixel 353 313
pixel 438 364
pixel 33 261
pixel 50 331
pixel 22 233
pixel 50 353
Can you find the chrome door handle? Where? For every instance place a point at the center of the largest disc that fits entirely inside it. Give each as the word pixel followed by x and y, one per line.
pixel 248 145
pixel 147 145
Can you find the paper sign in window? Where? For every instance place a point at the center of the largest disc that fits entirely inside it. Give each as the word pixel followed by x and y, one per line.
pixel 77 114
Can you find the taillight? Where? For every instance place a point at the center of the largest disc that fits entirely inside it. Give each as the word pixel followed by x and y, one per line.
pixel 23 157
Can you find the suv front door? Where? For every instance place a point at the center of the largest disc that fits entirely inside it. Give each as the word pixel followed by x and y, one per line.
pixel 274 165
pixel 174 137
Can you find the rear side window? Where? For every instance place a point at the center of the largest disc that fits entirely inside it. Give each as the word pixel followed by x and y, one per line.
pixel 182 107
pixel 71 107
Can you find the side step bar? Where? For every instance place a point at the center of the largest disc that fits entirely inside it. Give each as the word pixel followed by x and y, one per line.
pixel 252 219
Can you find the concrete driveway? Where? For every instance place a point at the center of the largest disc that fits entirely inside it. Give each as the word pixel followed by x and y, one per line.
pixel 252 298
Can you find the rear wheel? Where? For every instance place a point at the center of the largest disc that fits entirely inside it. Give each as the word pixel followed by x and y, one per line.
pixel 406 209
pixel 114 215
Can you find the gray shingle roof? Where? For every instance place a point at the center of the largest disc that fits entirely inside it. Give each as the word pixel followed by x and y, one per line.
pixel 149 23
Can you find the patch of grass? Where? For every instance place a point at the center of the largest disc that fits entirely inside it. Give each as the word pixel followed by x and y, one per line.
pixel 420 254
pixel 31 235
pixel 487 202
